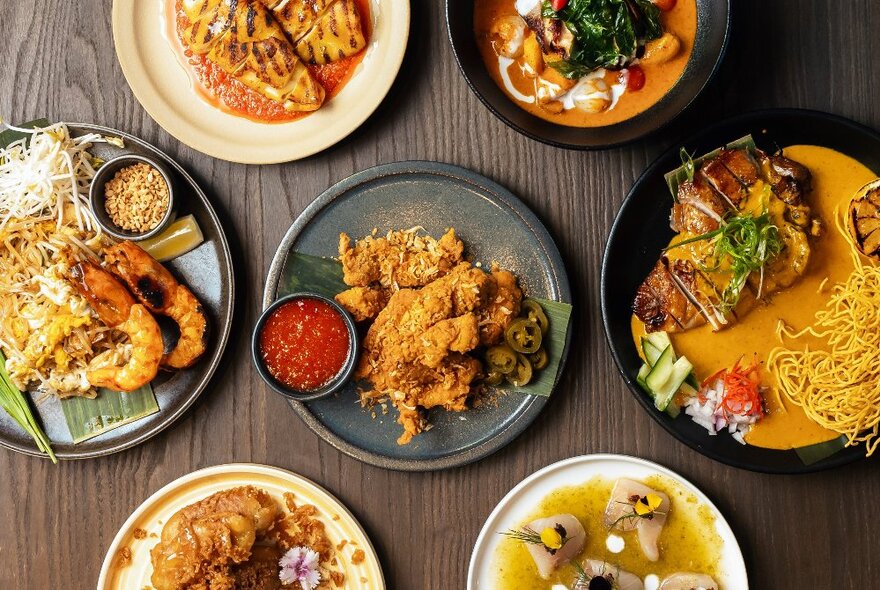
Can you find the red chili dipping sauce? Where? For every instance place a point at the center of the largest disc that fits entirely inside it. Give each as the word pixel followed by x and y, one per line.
pixel 305 344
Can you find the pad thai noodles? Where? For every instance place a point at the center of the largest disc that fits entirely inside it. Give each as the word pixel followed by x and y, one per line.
pixel 48 332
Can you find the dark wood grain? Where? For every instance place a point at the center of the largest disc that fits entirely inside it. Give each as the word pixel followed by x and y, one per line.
pixel 816 531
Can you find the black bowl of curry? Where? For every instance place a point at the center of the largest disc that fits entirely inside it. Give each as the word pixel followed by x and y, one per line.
pixel 841 156
pixel 539 69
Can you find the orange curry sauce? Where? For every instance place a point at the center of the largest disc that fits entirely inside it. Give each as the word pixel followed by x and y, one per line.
pixel 225 92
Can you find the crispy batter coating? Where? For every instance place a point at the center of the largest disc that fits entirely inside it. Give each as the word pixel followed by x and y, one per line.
pixel 364 303
pixel 413 352
pixel 202 542
pixel 502 305
pixel 399 259
pixel 430 309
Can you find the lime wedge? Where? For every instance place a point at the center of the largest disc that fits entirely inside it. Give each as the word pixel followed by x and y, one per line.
pixel 181 236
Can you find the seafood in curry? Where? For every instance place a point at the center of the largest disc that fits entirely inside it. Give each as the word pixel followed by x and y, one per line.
pixel 585 63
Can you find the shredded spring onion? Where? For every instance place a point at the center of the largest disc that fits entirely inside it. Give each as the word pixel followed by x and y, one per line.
pixel 15 404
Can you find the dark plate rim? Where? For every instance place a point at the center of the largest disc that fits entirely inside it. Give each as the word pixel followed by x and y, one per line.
pixel 650 128
pixel 499 195
pixel 844 457
pixel 222 334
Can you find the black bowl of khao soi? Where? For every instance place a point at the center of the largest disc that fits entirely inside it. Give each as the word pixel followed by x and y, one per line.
pixel 305 346
pixel 587 74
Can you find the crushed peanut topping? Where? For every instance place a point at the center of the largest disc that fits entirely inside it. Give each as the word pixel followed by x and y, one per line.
pixel 137 198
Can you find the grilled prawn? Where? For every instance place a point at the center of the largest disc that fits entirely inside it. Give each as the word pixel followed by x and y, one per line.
pixel 116 308
pixel 157 289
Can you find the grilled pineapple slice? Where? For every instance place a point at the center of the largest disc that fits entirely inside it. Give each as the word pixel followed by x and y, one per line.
pixel 864 219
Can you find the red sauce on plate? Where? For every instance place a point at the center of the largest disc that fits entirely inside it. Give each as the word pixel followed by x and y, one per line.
pixel 305 344
pixel 225 91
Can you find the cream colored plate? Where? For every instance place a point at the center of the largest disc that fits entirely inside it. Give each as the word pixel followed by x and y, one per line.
pixel 158 508
pixel 522 499
pixel 162 85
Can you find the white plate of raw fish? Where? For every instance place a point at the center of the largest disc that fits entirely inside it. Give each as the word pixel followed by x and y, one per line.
pixel 606 522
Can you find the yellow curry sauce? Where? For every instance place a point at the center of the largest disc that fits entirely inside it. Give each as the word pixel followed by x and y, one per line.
pixel 689 541
pixel 681 20
pixel 836 178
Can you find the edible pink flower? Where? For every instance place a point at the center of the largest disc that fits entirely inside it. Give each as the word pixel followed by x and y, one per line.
pixel 300 564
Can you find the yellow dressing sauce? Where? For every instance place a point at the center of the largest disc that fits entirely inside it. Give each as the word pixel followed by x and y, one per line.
pixel 659 77
pixel 689 541
pixel 836 178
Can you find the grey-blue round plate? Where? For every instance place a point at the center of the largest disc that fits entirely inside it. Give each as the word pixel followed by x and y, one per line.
pixel 495 226
pixel 207 270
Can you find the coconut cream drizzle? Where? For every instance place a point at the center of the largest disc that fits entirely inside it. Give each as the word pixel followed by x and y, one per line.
pixel 615 543
pixel 504 64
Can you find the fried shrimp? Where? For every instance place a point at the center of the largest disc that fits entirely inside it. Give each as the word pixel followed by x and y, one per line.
pixel 117 309
pixel 157 289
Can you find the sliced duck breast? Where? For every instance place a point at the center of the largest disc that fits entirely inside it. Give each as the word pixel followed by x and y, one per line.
pixel 723 181
pixel 701 292
pixel 661 305
pixel 698 208
pixel 742 165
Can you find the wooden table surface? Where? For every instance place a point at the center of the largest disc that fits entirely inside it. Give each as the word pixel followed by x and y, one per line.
pixel 814 531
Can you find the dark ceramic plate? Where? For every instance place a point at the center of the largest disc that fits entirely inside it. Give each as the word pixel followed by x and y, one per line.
pixel 713 25
pixel 207 270
pixel 641 230
pixel 495 226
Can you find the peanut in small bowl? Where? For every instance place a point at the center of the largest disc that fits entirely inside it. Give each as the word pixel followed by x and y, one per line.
pixel 132 197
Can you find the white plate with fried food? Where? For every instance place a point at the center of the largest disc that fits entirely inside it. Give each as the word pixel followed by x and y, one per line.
pixel 214 92
pixel 248 525
pixel 436 264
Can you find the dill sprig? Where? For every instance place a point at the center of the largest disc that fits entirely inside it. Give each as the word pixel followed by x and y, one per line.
pixel 746 244
pixel 530 537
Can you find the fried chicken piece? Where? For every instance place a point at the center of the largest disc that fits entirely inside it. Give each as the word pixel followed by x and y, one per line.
pixel 459 334
pixel 364 303
pixel 413 352
pixel 502 305
pixel 399 259
pixel 202 541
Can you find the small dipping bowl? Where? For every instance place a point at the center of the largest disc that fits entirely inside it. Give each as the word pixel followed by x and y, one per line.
pixel 297 346
pixel 98 196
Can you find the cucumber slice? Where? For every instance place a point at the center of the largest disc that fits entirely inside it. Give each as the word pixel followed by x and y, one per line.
pixel 661 371
pixel 673 409
pixel 651 352
pixel 660 340
pixel 640 378
pixel 678 374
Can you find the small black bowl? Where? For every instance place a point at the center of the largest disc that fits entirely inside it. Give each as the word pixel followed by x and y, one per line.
pixel 98 196
pixel 713 27
pixel 330 388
